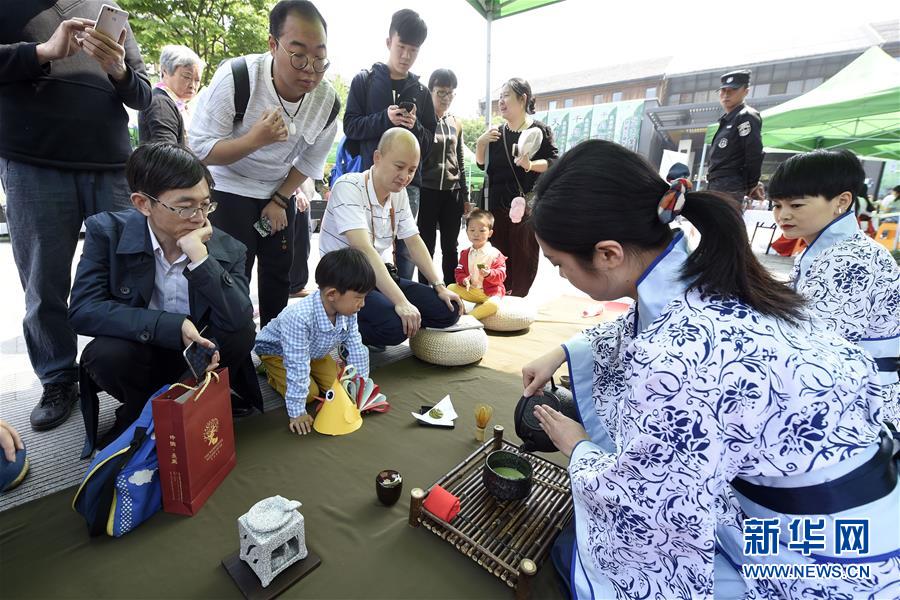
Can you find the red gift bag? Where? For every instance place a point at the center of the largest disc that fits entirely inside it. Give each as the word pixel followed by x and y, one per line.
pixel 194 441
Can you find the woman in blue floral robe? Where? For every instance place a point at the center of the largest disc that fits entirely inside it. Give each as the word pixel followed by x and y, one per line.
pixel 717 374
pixel 850 281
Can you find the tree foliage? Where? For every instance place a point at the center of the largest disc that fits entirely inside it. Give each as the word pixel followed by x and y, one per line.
pixel 342 88
pixel 214 29
pixel 474 127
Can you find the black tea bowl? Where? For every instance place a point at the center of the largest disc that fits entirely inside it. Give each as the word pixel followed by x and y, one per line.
pixel 507 476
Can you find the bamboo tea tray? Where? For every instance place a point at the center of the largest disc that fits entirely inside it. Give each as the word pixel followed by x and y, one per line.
pixel 510 539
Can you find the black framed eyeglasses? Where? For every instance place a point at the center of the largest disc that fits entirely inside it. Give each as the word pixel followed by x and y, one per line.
pixel 301 61
pixel 446 95
pixel 186 212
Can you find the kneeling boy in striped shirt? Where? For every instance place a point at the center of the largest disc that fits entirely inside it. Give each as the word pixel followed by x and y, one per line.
pixel 296 346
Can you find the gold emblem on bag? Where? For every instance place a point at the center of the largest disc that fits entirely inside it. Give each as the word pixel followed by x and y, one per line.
pixel 210 432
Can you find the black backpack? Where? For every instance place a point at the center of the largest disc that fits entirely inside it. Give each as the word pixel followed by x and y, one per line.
pixel 352 146
pixel 242 92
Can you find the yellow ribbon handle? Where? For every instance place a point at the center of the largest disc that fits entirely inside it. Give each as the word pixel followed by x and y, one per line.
pixel 201 388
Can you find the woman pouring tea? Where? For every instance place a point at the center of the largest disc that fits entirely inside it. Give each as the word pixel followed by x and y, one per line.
pixel 716 385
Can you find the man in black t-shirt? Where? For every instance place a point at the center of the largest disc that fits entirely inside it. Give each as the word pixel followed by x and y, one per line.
pixel 63 146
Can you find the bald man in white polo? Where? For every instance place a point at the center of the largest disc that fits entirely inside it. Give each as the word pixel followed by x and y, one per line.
pixel 369 211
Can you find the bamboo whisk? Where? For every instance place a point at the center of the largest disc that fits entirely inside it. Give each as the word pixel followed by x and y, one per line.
pixel 483 414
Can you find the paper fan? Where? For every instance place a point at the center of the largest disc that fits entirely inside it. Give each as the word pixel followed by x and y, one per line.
pixel 364 392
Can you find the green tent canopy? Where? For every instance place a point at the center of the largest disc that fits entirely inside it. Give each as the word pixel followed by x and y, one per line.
pixel 497 9
pixel 492 10
pixel 858 109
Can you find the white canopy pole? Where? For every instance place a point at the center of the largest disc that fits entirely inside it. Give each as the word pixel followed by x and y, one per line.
pixel 700 170
pixel 487 87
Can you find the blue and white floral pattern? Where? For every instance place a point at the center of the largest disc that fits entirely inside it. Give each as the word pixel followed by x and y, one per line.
pixel 853 285
pixel 709 391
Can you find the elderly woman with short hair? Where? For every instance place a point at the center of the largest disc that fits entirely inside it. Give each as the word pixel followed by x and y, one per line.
pixel 163 120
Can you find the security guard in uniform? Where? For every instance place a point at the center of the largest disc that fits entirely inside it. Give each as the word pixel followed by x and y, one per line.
pixel 736 158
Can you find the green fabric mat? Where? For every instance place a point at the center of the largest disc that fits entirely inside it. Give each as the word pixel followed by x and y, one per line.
pixel 367 550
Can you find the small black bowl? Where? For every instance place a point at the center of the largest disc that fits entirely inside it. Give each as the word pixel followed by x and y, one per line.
pixel 501 486
pixel 388 485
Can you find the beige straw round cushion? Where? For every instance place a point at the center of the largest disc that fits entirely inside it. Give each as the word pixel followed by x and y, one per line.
pixel 514 314
pixel 449 348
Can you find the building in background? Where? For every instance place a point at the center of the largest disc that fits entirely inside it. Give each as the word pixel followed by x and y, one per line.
pixel 680 93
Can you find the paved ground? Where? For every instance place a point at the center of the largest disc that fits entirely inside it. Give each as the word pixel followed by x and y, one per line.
pixel 54 454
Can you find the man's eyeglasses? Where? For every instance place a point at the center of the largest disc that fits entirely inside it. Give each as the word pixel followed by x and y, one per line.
pixel 446 95
pixel 187 212
pixel 301 61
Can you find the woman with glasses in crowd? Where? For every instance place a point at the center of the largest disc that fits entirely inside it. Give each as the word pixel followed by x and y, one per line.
pixel 444 190
pixel 511 176
pixel 164 119
pixel 717 382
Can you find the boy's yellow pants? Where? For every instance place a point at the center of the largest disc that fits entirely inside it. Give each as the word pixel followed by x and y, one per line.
pixel 487 305
pixel 322 373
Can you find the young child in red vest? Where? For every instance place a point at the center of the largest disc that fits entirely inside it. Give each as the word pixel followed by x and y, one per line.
pixel 482 268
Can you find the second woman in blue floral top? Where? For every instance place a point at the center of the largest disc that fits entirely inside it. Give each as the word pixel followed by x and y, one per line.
pixel 851 282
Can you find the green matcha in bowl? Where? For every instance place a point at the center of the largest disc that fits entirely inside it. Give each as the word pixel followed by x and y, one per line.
pixel 507 476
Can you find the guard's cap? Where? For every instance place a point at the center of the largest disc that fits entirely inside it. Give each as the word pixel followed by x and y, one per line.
pixel 735 79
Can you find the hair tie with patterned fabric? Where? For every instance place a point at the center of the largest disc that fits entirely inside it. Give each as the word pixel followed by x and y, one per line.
pixel 673 200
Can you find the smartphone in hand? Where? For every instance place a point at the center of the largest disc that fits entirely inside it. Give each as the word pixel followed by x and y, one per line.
pixel 263 227
pixel 407 106
pixel 111 21
pixel 198 358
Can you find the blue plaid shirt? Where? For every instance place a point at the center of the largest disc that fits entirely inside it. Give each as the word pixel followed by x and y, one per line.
pixel 303 332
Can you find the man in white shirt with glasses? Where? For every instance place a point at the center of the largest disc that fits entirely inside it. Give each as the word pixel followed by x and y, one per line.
pixel 260 153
